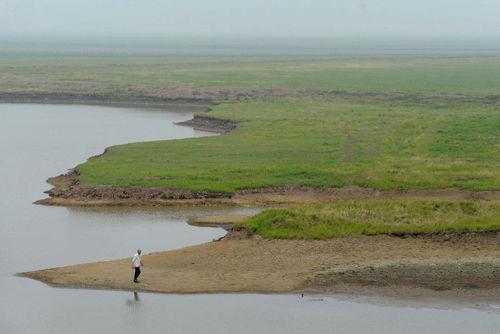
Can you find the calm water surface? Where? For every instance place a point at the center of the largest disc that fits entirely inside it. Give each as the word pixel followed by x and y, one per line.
pixel 38 141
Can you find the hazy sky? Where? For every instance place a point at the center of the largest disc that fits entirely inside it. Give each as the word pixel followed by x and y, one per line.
pixel 275 18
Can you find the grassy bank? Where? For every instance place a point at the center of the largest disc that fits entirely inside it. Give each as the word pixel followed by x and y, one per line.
pixel 325 221
pixel 321 142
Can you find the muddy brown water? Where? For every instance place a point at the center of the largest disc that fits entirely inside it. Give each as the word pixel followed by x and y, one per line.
pixel 38 141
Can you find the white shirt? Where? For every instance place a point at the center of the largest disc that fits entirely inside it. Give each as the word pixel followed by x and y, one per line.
pixel 136 260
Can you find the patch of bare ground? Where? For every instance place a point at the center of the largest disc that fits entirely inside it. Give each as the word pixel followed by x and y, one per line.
pixel 437 265
pixel 206 123
pixel 89 95
pixel 98 93
pixel 216 221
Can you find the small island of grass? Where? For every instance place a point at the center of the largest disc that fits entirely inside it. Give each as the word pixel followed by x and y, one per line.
pixel 342 219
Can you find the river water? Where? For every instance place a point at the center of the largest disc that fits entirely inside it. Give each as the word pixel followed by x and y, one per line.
pixel 38 141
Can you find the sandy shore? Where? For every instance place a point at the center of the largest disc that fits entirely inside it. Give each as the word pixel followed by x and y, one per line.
pixel 447 265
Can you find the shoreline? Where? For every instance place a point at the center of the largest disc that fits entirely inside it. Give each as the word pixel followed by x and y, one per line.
pixel 116 100
pixel 67 191
pixel 166 96
pixel 223 221
pixel 461 266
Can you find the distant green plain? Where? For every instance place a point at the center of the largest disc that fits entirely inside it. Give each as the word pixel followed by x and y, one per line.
pixel 150 74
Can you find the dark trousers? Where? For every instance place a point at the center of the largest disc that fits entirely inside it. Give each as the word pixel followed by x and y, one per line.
pixel 137 272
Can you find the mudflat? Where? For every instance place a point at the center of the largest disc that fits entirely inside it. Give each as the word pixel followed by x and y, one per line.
pixel 444 265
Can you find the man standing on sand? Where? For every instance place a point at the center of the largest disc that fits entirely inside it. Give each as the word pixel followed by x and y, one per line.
pixel 136 265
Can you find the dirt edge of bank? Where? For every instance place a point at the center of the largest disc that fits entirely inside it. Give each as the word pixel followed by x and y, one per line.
pixel 108 99
pixel 207 95
pixel 68 191
pixel 211 124
pixel 224 221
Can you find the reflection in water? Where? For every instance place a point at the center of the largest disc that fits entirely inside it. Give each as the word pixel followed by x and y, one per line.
pixel 135 302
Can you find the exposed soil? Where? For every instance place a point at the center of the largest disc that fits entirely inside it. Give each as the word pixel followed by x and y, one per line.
pixel 114 99
pixel 453 265
pixel 205 123
pixel 152 96
pixel 207 95
pixel 216 221
pixel 69 192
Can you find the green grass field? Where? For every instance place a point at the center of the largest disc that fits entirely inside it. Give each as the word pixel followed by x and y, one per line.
pixel 321 142
pixel 325 221
pixel 150 74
